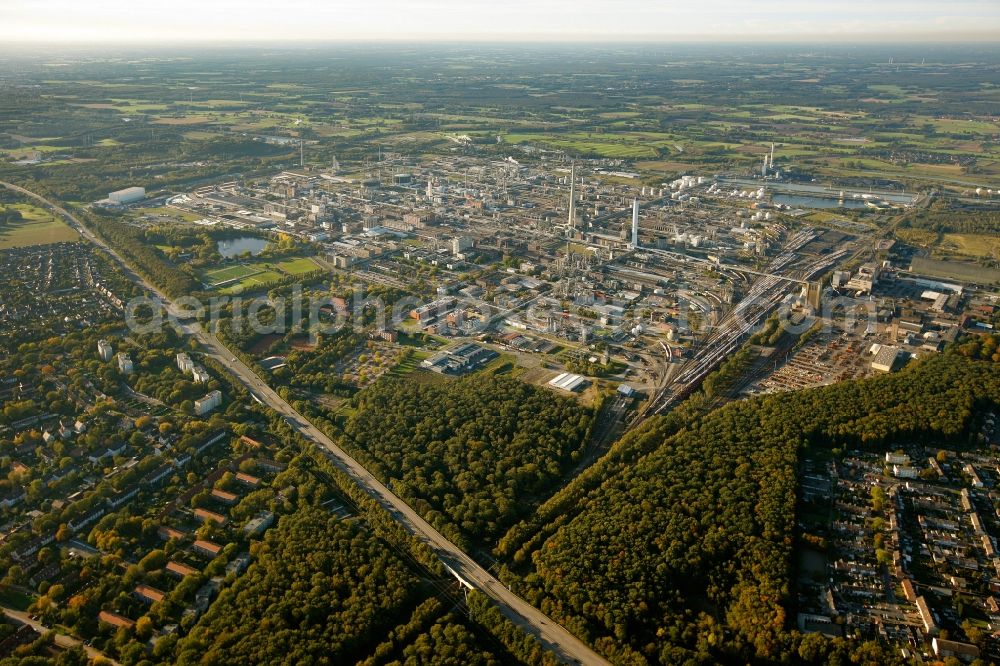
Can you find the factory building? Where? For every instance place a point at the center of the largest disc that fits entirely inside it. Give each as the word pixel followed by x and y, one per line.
pixel 885 359
pixel 865 280
pixel 459 360
pixel 567 381
pixel 127 196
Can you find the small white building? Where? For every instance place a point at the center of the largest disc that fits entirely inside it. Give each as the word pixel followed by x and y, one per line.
pixel 204 405
pixel 184 363
pixel 461 244
pixel 104 350
pixel 258 524
pixel 975 479
pixel 124 363
pixel 904 472
pixel 200 375
pixel 897 458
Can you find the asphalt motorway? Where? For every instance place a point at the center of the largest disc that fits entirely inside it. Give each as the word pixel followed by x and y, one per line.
pixel 553 636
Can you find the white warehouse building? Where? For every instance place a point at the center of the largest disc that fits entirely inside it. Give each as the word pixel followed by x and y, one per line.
pixel 567 381
pixel 128 195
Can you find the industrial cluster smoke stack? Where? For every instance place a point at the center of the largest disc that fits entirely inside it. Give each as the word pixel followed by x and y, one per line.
pixel 768 165
pixel 635 223
pixel 571 224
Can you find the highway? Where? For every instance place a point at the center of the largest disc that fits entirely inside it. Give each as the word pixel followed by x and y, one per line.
pixel 554 637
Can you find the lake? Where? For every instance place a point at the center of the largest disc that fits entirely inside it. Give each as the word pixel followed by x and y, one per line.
pixel 235 246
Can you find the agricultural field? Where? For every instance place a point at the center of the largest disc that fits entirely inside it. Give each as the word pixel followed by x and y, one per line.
pixel 37 228
pixel 614 146
pixel 658 113
pixel 972 245
pixel 956 246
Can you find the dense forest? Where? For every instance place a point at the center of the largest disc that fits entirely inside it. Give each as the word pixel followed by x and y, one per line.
pixel 981 347
pixel 321 586
pixel 326 591
pixel 943 218
pixel 678 544
pixel 137 249
pixel 475 454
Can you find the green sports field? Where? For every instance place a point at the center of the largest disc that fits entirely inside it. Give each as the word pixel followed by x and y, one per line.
pixel 256 273
pixel 297 266
pixel 230 273
pixel 251 281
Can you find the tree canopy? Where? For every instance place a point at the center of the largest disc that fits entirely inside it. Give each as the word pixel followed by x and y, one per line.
pixel 476 454
pixel 679 542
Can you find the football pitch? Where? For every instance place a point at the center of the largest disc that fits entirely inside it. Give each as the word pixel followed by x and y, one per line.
pixel 230 273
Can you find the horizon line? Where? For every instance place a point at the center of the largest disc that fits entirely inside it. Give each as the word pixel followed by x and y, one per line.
pixel 967 37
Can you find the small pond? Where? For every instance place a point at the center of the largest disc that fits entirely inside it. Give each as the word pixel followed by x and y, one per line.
pixel 232 247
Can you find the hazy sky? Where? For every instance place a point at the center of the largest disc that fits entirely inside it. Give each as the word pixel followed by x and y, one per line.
pixel 255 20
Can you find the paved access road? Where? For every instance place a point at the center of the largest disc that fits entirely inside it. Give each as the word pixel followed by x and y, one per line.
pixel 552 635
pixel 62 640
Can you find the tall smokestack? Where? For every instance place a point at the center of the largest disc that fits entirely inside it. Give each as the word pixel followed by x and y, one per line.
pixel 635 223
pixel 572 199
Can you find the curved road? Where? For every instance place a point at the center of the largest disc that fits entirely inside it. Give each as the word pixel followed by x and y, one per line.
pixel 62 640
pixel 552 635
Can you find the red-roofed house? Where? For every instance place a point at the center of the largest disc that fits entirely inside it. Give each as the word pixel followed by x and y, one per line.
pixel 179 570
pixel 207 547
pixel 168 533
pixel 207 516
pixel 148 594
pixel 224 497
pixel 247 479
pixel 114 619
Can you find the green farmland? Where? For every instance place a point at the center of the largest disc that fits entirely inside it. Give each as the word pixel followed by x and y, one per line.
pixel 37 228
